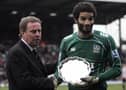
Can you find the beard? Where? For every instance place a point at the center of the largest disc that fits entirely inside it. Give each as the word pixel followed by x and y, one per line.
pixel 87 29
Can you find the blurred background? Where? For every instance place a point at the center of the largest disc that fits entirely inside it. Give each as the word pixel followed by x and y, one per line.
pixel 57 23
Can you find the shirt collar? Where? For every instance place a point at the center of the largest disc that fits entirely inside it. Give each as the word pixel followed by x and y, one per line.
pixel 31 49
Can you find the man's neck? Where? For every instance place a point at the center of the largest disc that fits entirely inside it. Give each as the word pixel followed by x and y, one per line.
pixel 84 36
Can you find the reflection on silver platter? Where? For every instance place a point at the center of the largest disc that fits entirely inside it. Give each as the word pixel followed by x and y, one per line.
pixel 72 69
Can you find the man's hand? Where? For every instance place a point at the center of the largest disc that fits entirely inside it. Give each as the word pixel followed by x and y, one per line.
pixel 87 81
pixel 90 79
pixel 80 84
pixel 54 79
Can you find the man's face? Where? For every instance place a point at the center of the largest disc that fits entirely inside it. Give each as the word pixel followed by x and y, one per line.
pixel 32 35
pixel 85 22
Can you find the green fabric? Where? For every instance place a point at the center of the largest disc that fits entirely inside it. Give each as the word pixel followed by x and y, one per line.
pixel 99 50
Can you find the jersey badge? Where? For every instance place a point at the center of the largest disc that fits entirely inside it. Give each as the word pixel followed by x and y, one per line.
pixel 96 48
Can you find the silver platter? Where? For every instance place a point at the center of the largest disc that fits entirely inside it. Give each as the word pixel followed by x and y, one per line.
pixel 72 69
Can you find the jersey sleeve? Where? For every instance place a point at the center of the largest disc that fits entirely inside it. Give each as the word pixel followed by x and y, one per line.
pixel 62 55
pixel 114 59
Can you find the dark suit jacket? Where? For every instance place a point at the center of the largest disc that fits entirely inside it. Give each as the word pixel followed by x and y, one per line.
pixel 24 71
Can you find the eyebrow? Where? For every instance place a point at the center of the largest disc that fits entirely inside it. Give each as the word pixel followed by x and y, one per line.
pixel 35 30
pixel 89 17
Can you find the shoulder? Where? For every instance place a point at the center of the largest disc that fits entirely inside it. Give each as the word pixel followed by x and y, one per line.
pixel 107 38
pixel 15 49
pixel 69 38
pixel 101 34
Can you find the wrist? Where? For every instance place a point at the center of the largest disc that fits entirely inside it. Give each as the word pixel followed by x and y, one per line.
pixel 95 80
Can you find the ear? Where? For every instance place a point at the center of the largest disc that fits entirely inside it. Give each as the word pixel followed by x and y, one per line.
pixel 20 34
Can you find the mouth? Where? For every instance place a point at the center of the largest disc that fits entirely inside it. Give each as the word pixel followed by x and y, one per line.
pixel 37 40
pixel 87 28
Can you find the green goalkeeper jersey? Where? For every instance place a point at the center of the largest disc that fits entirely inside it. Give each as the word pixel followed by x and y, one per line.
pixel 100 50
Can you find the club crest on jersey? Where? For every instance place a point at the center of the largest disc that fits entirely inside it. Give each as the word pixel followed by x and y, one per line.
pixel 115 53
pixel 96 48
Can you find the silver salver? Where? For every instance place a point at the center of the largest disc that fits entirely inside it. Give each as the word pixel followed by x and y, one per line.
pixel 71 69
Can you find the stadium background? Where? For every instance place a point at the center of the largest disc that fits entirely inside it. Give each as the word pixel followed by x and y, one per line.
pixel 57 23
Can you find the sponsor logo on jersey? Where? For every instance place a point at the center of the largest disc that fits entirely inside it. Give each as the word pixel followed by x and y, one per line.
pixel 73 49
pixel 96 48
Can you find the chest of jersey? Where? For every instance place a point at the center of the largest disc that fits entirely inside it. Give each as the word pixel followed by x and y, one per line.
pixel 87 49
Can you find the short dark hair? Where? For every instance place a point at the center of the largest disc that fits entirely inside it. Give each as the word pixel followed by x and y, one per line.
pixel 84 7
pixel 25 20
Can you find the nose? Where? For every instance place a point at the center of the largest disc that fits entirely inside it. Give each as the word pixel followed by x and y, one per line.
pixel 87 22
pixel 38 33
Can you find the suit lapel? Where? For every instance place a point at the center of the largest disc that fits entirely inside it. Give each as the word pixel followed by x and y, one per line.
pixel 33 60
